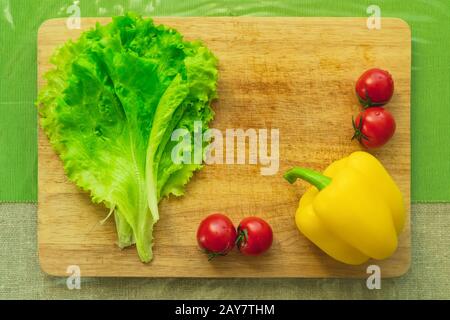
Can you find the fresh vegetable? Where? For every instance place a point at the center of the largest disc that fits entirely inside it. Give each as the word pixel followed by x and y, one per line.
pixel 254 236
pixel 109 108
pixel 216 235
pixel 374 127
pixel 375 87
pixel 354 211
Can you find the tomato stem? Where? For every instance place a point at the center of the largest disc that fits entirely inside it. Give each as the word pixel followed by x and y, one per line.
pixel 243 236
pixel 212 255
pixel 358 135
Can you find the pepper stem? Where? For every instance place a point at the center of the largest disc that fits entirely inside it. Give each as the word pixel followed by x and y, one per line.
pixel 315 178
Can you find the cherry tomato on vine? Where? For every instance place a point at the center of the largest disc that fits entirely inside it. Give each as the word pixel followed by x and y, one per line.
pixel 254 236
pixel 375 87
pixel 216 235
pixel 374 127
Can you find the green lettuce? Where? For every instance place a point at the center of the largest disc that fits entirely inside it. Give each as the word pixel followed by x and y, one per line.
pixel 109 108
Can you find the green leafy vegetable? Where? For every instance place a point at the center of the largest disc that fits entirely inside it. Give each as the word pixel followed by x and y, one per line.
pixel 109 108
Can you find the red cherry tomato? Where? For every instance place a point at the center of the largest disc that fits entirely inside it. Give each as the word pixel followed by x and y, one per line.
pixel 375 87
pixel 254 236
pixel 374 127
pixel 216 235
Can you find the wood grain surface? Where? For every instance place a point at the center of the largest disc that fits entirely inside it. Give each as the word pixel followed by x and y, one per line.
pixel 292 74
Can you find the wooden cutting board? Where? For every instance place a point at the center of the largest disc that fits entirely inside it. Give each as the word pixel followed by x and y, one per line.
pixel 292 74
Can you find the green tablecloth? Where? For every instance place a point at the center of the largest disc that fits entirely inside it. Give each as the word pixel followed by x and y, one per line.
pixel 20 276
pixel 429 276
pixel 429 20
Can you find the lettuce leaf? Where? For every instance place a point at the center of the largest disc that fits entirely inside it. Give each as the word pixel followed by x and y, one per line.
pixel 109 108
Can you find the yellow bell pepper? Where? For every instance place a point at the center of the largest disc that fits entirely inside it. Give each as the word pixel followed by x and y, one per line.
pixel 354 210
